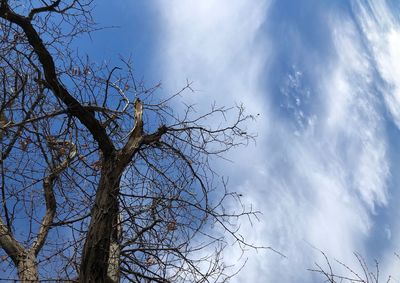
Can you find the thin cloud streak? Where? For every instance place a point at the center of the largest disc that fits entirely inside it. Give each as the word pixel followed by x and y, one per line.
pixel 380 28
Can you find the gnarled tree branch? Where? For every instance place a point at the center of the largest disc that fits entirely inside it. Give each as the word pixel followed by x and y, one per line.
pixel 45 58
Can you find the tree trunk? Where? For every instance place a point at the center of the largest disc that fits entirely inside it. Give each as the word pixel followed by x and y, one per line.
pixel 27 268
pixel 95 258
pixel 115 251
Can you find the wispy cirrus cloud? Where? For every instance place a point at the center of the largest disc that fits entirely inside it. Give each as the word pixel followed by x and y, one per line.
pixel 380 29
pixel 321 170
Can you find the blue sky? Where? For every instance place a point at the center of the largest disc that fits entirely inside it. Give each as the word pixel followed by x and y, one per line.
pixel 325 78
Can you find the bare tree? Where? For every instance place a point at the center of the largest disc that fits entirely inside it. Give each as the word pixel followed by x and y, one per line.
pixel 102 181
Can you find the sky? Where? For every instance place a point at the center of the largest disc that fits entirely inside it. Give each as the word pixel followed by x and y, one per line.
pixel 324 77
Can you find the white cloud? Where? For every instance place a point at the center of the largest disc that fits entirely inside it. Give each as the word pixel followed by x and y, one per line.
pixel 317 185
pixel 380 27
pixel 213 44
pixel 321 183
pixel 382 31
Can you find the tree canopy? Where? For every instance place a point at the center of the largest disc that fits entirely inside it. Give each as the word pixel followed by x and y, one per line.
pixel 101 179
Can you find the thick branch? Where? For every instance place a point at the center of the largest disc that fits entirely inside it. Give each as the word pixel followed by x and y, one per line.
pixel 45 58
pixel 9 244
pixel 50 199
pixel 23 260
pixel 48 8
pixel 137 137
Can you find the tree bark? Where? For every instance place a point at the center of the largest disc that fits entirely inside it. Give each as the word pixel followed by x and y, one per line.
pixel 101 235
pixel 115 251
pixel 27 268
pixel 96 251
pixel 24 260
